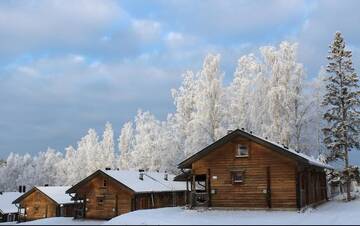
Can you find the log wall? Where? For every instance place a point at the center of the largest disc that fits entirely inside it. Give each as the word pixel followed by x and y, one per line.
pixel 252 192
pixel 37 206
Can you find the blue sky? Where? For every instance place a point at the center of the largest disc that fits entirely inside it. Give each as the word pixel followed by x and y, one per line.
pixel 67 66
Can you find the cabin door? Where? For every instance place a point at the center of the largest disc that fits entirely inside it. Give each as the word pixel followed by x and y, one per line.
pixel 268 187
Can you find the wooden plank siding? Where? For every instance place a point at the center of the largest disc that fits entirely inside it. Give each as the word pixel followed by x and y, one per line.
pixel 159 200
pixel 37 206
pixel 105 202
pixel 250 193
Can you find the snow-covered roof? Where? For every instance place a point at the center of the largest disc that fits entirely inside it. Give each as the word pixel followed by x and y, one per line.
pixel 6 199
pixel 280 148
pixel 56 193
pixel 311 159
pixel 152 181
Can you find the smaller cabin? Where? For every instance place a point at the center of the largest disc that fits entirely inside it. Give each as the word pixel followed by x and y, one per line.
pixel 108 193
pixel 43 202
pixel 8 210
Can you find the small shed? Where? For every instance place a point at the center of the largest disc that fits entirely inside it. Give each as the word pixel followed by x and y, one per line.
pixel 8 210
pixel 43 202
pixel 109 193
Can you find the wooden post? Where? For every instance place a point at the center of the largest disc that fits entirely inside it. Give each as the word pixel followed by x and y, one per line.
pixel 84 207
pixel 193 190
pixel 268 188
pixel 209 186
pixel 46 211
pixel 116 205
pixel 186 192
pixel 307 187
pixel 298 190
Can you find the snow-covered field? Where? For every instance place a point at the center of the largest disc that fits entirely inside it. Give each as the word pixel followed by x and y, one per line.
pixel 334 212
pixel 62 221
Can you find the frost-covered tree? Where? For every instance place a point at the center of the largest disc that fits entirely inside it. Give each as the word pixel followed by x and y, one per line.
pixel 12 174
pixel 86 154
pixel 342 100
pixel 69 169
pixel 146 153
pixel 107 148
pixel 45 166
pixel 284 94
pixel 313 136
pixel 240 98
pixel 184 100
pixel 126 145
pixel 206 124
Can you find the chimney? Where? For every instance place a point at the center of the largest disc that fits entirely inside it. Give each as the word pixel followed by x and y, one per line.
pixel 1 192
pixel 229 131
pixel 166 176
pixel 46 185
pixel 243 129
pixel 20 188
pixel 250 132
pixel 24 188
pixel 141 175
pixel 107 168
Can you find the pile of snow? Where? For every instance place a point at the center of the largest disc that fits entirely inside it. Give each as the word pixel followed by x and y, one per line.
pixel 333 212
pixel 151 182
pixel 63 221
pixel 6 199
pixel 56 193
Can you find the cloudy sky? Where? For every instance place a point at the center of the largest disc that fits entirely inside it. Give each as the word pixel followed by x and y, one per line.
pixel 66 66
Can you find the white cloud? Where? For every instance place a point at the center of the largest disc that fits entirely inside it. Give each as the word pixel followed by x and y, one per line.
pixel 146 30
pixel 318 30
pixel 232 18
pixel 25 25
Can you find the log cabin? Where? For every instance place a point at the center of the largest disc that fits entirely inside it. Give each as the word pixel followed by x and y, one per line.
pixel 8 210
pixel 108 193
pixel 245 171
pixel 43 202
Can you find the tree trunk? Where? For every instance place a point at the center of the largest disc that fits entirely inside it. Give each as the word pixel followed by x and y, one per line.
pixel 348 194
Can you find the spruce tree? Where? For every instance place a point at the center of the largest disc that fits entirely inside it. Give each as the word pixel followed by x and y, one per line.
pixel 342 102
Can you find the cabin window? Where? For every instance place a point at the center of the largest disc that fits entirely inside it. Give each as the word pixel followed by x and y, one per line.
pixel 100 200
pixel 238 176
pixel 242 150
pixel 105 183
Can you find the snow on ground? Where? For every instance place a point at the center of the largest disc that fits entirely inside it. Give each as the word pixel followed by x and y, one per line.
pixel 62 221
pixel 333 212
pixel 8 223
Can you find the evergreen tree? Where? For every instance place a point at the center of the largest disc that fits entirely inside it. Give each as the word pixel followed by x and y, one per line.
pixel 342 100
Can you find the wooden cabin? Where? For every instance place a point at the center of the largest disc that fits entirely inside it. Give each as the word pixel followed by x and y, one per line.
pixel 43 202
pixel 245 171
pixel 108 193
pixel 8 210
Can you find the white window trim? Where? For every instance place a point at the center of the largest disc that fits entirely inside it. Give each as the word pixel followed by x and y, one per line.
pixel 237 151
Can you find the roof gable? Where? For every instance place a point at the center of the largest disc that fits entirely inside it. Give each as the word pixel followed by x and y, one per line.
pixel 152 181
pixel 97 173
pixel 300 157
pixel 55 194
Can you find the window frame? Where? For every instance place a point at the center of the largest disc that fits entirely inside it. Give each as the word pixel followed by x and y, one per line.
pixel 237 153
pixel 233 174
